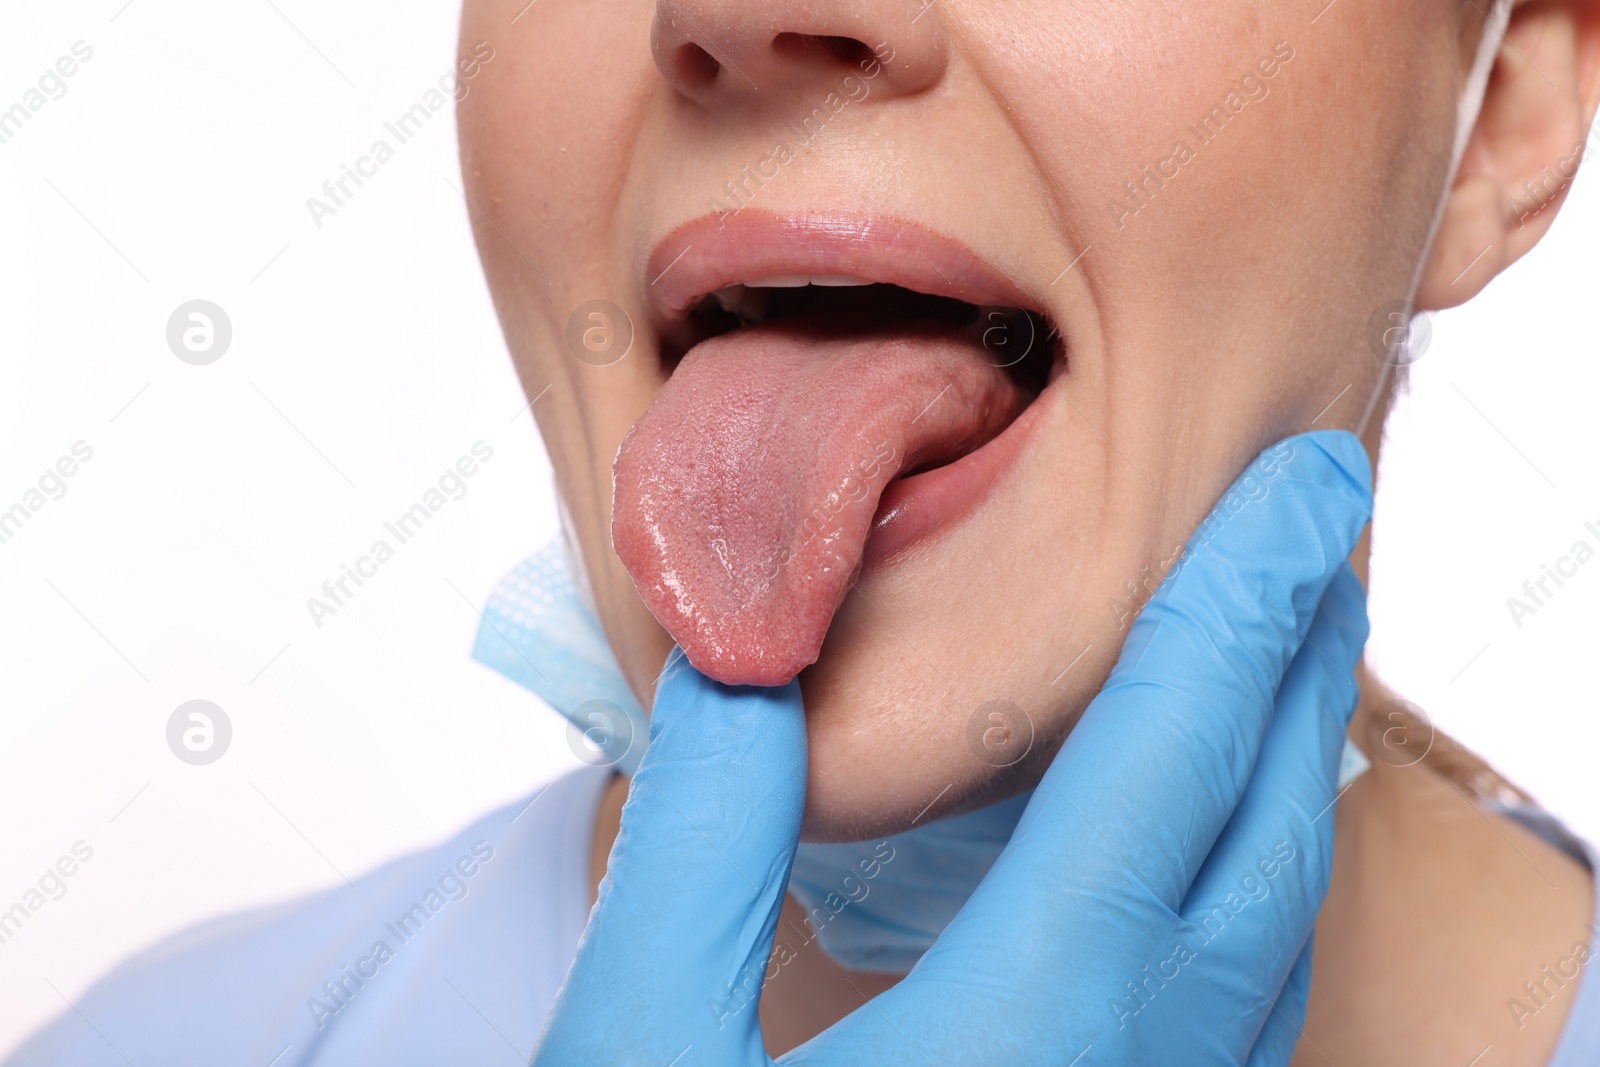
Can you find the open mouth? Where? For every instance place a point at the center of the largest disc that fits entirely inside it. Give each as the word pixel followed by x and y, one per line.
pixel 838 392
pixel 1019 340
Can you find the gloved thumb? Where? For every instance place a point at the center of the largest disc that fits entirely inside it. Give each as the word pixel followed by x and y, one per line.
pixel 676 949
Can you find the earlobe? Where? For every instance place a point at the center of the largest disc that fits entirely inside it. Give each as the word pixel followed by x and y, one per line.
pixel 1471 246
pixel 1527 145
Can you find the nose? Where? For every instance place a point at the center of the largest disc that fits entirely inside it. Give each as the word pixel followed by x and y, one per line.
pixel 728 51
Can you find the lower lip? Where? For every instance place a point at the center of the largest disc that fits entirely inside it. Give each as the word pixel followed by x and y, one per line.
pixel 915 510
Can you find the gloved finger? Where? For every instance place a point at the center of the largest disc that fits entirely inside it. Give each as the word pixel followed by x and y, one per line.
pixel 1282 1032
pixel 1156 767
pixel 1256 899
pixel 1143 786
pixel 1260 890
pixel 677 945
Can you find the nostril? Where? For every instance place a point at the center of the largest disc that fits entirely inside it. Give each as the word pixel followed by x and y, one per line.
pixel 696 66
pixel 846 49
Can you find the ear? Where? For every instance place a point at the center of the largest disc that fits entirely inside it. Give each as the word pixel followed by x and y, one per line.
pixel 1524 151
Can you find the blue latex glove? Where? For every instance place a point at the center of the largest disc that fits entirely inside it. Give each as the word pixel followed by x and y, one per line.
pixel 1156 901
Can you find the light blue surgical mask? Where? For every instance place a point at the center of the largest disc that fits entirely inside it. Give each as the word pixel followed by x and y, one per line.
pixel 873 905
pixel 538 631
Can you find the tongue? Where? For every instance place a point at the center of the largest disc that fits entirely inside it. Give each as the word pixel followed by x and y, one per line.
pixel 745 496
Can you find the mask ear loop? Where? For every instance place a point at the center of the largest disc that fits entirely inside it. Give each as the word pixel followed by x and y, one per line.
pixel 1468 110
pixel 1477 86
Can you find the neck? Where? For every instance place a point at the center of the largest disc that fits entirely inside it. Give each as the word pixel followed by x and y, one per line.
pixel 1438 911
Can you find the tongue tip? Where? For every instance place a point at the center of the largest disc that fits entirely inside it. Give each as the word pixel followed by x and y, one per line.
pixel 762 643
pixel 733 669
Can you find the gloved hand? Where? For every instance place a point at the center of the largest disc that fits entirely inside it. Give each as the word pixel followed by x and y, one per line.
pixel 1156 901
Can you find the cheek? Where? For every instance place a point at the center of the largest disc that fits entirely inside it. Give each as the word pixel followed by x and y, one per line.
pixel 546 138
pixel 1248 186
pixel 1120 95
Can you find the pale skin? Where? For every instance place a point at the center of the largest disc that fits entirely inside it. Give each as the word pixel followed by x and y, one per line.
pixel 1228 311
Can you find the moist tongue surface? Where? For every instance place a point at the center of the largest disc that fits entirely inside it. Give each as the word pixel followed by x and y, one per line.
pixel 745 495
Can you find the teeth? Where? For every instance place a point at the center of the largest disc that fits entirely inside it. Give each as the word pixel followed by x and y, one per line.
pixel 750 304
pixel 796 281
pixel 748 300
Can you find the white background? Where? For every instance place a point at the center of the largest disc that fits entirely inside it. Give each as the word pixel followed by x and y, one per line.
pixel 365 360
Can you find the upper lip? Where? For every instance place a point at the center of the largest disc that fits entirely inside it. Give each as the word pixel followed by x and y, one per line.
pixel 711 253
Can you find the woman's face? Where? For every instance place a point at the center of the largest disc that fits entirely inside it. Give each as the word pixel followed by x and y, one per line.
pixel 1211 205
